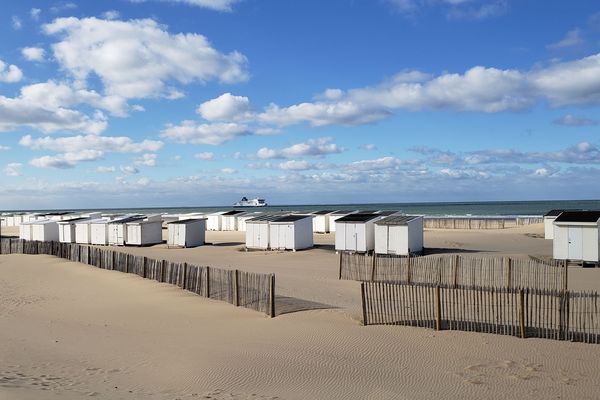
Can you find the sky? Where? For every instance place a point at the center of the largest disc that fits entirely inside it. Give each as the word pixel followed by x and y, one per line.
pixel 158 103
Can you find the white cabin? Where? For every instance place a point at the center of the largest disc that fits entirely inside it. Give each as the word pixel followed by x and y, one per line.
pixel 242 218
pixel 229 220
pixel 321 221
pixel 117 229
pixel 214 220
pixel 258 232
pixel 144 232
pixel 291 232
pixel 67 229
pixel 44 230
pixel 186 232
pixel 576 236
pixel 356 232
pixel 25 230
pixel 334 216
pixel 549 218
pixel 400 235
pixel 83 230
pixel 98 231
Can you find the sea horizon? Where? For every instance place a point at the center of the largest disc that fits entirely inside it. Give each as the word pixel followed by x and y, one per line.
pixel 455 208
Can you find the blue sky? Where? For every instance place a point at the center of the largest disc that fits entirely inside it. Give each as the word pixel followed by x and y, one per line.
pixel 198 102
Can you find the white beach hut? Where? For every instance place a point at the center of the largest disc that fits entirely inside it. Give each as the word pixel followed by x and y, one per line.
pixel 117 229
pixel 242 218
pixel 229 220
pixel 321 221
pixel 214 220
pixel 399 234
pixel 257 231
pixel 334 216
pixel 356 232
pixel 25 230
pixel 98 231
pixel 291 232
pixel 549 218
pixel 67 229
pixel 576 236
pixel 44 230
pixel 186 233
pixel 143 232
pixel 83 231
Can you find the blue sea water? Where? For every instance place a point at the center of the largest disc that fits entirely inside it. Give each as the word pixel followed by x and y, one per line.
pixel 491 208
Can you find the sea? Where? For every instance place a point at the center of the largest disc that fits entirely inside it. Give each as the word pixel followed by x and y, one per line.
pixel 481 208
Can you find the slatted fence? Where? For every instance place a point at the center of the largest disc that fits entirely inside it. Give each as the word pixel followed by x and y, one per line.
pixel 244 289
pixel 478 223
pixel 455 271
pixel 522 312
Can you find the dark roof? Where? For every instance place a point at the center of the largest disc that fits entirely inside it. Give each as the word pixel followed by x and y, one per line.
pixel 74 219
pixel 264 218
pixel 187 221
pixel 397 220
pixel 291 218
pixel 358 217
pixel 323 212
pixel 578 216
pixel 386 212
pixel 57 213
pixel 556 213
pixel 232 212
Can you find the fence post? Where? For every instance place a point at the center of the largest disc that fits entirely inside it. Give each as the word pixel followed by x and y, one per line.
pixel 340 272
pixel 364 306
pixel 509 274
pixel 566 275
pixel 272 295
pixel 456 263
pixel 522 312
pixel 185 273
pixel 163 270
pixel 236 288
pixel 144 267
pixel 408 277
pixel 373 266
pixel 438 309
pixel 207 282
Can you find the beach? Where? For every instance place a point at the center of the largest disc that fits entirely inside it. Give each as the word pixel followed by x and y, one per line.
pixel 70 331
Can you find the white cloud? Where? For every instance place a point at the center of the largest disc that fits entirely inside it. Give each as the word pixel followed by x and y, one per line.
pixel 4 148
pixel 571 120
pixel 205 156
pixel 33 53
pixel 368 146
pixel 225 107
pixel 218 5
pixel 34 13
pixel 295 165
pixel 111 14
pixel 197 133
pixel 138 58
pixel 66 160
pixel 454 9
pixel 10 73
pixel 129 169
pixel 17 24
pixel 572 38
pixel 13 169
pixel 312 147
pixel 103 169
pixel 148 159
pixel 74 144
pixel 228 171
pixel 237 155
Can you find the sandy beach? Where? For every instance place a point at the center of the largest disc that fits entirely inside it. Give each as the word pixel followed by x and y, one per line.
pixel 70 331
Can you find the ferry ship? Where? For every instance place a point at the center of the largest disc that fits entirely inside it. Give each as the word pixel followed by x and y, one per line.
pixel 244 202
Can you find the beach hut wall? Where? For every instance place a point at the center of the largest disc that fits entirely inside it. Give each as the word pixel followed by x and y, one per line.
pixel 576 236
pixel 186 233
pixel 214 220
pixel 44 231
pixel 67 229
pixel 229 220
pixel 257 231
pixel 144 232
pixel 355 232
pixel 117 229
pixel 291 232
pixel 399 235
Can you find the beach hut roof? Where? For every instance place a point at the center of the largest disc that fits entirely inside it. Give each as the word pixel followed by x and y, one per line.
pixel 358 217
pixel 291 218
pixel 397 220
pixel 264 218
pixel 556 213
pixel 324 212
pixel 578 216
pixel 232 212
pixel 71 220
pixel 387 212
pixel 130 218
pixel 187 221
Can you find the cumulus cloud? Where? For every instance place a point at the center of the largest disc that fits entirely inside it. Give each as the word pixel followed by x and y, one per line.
pixel 571 120
pixel 218 5
pixel 13 169
pixel 139 58
pixel 148 159
pixel 295 165
pixel 10 73
pixel 66 160
pixel 368 146
pixel 228 171
pixel 34 13
pixel 17 24
pixel 312 147
pixel 129 169
pixel 205 156
pixel 111 14
pixel 572 38
pixel 198 133
pixel 454 9
pixel 103 169
pixel 33 53
pixel 225 107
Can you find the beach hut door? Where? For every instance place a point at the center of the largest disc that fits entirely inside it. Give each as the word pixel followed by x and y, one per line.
pixel 575 243
pixel 351 237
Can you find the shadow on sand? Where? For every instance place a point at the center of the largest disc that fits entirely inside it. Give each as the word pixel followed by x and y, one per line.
pixel 287 305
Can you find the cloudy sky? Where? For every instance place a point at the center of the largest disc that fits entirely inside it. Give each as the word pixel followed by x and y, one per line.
pixel 130 103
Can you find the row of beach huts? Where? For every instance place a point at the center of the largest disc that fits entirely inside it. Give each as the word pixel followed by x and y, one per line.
pixel 385 232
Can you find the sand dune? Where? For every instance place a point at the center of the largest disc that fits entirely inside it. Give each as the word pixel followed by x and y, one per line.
pixel 71 331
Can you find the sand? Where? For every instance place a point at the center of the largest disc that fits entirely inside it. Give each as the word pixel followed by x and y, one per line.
pixel 70 331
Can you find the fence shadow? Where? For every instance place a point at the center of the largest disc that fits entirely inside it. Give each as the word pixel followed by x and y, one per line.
pixel 451 250
pixel 288 305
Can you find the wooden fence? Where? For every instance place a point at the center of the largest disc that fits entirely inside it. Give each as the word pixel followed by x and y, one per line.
pixel 455 271
pixel 551 314
pixel 478 223
pixel 240 288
